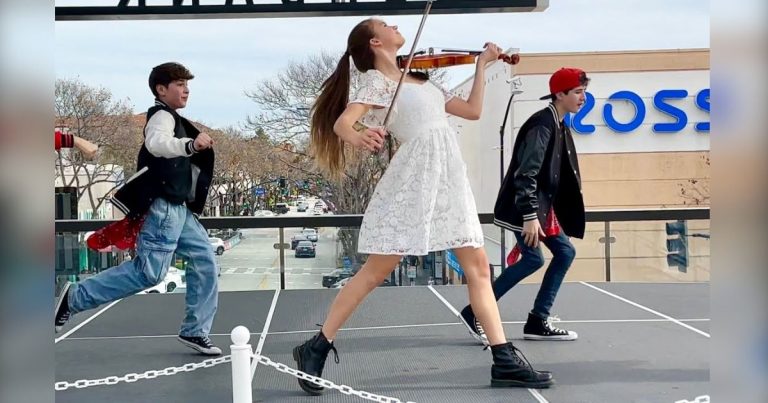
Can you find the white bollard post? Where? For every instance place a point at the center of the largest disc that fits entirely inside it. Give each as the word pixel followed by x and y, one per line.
pixel 242 392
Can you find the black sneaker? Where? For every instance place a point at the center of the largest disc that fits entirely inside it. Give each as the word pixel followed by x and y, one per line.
pixel 537 328
pixel 62 312
pixel 469 320
pixel 201 343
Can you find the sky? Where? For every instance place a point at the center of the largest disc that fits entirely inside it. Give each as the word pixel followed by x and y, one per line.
pixel 229 57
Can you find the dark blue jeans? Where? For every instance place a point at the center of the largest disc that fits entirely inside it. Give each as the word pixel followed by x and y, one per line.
pixel 531 260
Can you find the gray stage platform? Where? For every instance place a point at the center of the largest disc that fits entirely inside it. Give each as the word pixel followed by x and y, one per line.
pixel 405 343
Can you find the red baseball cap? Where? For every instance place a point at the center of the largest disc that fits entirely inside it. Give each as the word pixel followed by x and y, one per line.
pixel 567 78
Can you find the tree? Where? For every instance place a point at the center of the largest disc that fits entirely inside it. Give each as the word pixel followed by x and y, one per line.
pixel 696 191
pixel 284 103
pixel 94 115
pixel 242 163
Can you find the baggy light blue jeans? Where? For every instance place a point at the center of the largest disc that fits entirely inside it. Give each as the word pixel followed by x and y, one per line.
pixel 168 228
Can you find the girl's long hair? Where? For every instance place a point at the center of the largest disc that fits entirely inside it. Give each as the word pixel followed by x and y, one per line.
pixel 326 147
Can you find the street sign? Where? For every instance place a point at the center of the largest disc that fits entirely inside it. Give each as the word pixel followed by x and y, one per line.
pixel 453 263
pixel 281 246
pixel 259 191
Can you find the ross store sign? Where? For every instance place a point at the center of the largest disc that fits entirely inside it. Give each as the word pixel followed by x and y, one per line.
pixel 661 101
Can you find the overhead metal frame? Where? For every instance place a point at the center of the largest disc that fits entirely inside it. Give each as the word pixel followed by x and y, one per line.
pixel 180 9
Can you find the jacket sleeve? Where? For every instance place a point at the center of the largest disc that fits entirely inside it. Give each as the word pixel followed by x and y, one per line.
pixel 532 152
pixel 159 139
pixel 63 140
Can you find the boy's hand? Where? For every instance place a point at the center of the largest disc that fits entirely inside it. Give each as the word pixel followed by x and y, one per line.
pixel 203 141
pixel 532 232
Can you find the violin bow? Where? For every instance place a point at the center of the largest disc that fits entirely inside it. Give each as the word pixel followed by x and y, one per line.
pixel 405 70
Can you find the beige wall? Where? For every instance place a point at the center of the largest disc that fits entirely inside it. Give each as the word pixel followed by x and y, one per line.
pixel 645 180
pixel 602 62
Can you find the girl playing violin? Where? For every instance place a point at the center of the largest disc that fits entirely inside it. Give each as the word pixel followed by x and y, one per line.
pixel 422 203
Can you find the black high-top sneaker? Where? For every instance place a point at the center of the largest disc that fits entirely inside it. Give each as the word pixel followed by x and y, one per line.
pixel 62 313
pixel 509 370
pixel 537 328
pixel 470 321
pixel 310 358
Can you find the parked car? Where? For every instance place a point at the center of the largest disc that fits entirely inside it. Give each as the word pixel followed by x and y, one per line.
pixel 334 276
pixel 305 249
pixel 344 281
pixel 281 208
pixel 218 245
pixel 340 283
pixel 170 283
pixel 321 205
pixel 296 239
pixel 263 213
pixel 310 233
pixel 302 206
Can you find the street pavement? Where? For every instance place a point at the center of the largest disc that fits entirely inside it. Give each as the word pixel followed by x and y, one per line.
pixel 254 263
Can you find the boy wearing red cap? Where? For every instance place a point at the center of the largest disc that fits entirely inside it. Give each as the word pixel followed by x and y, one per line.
pixel 542 185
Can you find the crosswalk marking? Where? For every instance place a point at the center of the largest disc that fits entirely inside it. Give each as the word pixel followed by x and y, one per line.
pixel 275 270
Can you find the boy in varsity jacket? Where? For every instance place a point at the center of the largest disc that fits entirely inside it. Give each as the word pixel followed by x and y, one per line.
pixel 542 190
pixel 175 168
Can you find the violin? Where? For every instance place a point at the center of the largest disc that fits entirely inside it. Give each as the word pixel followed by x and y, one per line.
pixel 424 60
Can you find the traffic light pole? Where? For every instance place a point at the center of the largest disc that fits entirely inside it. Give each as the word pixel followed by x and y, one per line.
pixel 608 251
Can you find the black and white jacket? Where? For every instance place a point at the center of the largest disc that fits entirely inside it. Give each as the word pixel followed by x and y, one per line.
pixel 543 174
pixel 168 165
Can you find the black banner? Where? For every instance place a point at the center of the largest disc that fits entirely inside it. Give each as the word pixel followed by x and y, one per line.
pixel 192 9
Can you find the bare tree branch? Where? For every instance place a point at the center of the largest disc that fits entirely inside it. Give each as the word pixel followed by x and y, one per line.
pixel 92 113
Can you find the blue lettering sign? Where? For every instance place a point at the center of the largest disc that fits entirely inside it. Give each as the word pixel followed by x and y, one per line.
pixel 639 112
pixel 702 101
pixel 681 120
pixel 661 101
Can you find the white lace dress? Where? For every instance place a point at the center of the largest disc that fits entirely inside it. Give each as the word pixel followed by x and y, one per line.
pixel 423 202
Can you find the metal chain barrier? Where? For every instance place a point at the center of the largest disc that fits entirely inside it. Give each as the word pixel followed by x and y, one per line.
pixel 700 399
pixel 347 390
pixel 152 374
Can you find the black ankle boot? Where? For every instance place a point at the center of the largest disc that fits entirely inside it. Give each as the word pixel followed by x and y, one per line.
pixel 310 358
pixel 510 370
